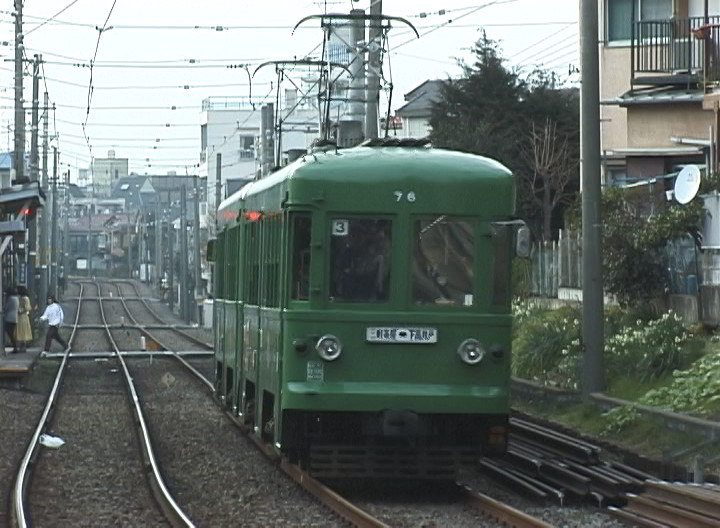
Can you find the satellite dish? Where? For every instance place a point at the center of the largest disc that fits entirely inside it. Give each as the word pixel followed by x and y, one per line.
pixel 687 184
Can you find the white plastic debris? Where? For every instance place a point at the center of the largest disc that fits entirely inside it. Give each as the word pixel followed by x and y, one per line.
pixel 51 441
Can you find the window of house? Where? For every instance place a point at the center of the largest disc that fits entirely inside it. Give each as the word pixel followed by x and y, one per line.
pixel 615 176
pixel 620 13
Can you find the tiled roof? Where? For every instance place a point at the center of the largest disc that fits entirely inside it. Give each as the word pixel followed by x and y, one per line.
pixel 420 100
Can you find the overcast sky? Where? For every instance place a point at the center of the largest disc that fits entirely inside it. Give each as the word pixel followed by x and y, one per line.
pixel 143 60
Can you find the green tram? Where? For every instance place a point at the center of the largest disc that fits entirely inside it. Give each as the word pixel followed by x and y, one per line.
pixel 362 309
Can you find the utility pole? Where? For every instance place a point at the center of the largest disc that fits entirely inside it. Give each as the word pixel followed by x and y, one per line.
pixel 593 316
pixel 42 215
pixel 171 264
pixel 53 230
pixel 19 158
pixel 37 249
pixel 199 294
pixel 89 232
pixel 218 177
pixel 66 232
pixel 158 244
pixel 184 312
pixel 130 245
pixel 373 79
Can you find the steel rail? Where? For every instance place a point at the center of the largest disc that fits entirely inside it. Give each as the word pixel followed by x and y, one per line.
pixel 502 512
pixel 161 320
pixel 331 499
pixel 165 348
pixel 19 492
pixel 162 495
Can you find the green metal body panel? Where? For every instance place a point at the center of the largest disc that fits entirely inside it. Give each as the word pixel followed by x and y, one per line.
pixel 375 376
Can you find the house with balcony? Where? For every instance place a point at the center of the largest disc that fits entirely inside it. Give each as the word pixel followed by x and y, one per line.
pixel 660 111
pixel 659 87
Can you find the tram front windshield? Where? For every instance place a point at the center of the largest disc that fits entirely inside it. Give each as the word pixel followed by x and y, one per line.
pixel 360 260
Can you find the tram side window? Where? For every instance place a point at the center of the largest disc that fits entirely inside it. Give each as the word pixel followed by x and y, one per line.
pixel 360 260
pixel 501 265
pixel 302 224
pixel 443 262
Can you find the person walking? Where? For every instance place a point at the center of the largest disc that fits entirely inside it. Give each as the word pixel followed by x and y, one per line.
pixel 23 330
pixel 11 314
pixel 54 316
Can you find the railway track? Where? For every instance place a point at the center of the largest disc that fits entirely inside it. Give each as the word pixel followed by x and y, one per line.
pixel 96 397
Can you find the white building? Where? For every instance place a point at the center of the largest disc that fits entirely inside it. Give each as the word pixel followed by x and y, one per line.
pixel 106 172
pixel 231 127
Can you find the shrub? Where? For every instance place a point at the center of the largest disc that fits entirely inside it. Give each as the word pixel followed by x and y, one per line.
pixel 649 349
pixel 546 341
pixel 547 345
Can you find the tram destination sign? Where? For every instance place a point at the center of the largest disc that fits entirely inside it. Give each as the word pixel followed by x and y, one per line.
pixel 400 334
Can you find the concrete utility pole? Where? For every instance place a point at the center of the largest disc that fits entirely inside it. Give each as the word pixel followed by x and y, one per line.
pixel 131 228
pixel 158 243
pixel 42 215
pixel 89 232
pixel 593 316
pixel 184 308
pixel 373 79
pixel 34 252
pixel 199 294
pixel 53 230
pixel 66 232
pixel 171 264
pixel 218 181
pixel 19 158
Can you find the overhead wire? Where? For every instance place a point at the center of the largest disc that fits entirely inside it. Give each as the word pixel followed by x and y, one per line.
pixel 52 17
pixel 90 84
pixel 544 52
pixel 544 39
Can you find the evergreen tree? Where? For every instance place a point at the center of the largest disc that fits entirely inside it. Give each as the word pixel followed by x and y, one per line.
pixel 529 125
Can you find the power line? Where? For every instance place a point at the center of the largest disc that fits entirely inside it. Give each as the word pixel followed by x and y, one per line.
pixel 135 138
pixel 444 24
pixel 142 125
pixel 90 84
pixel 52 17
pixel 548 51
pixel 544 39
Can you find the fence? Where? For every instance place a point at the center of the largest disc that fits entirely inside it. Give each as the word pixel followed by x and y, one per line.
pixel 559 265
pixel 556 264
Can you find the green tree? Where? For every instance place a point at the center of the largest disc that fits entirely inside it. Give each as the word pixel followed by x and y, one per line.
pixel 479 112
pixel 529 125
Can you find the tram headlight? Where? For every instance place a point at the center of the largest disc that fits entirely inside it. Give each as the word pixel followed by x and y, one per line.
pixel 471 351
pixel 329 347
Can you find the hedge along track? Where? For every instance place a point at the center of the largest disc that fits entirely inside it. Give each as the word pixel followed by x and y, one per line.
pixel 19 507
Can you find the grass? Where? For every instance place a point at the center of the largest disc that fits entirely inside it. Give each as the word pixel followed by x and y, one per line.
pixel 647 436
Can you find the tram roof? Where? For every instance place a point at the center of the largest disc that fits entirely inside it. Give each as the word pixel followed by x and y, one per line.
pixel 370 163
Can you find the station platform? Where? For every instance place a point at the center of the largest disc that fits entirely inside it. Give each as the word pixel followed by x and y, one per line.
pixel 14 368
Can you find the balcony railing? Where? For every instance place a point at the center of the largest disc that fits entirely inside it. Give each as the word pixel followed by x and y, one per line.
pixel 679 51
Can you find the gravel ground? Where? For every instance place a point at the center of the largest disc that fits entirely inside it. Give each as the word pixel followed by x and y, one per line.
pixel 216 474
pixel 97 478
pixel 19 412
